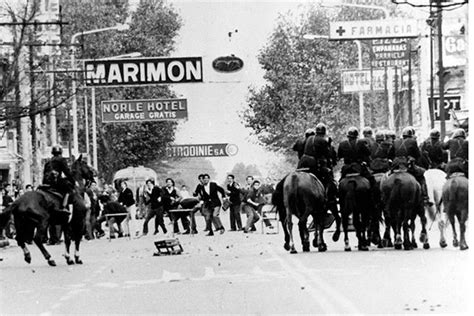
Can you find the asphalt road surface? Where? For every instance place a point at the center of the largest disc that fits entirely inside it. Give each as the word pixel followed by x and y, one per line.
pixel 237 273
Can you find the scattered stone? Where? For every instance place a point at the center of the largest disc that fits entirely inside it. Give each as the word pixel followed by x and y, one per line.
pixel 230 282
pixel 216 255
pixel 219 264
pixel 439 305
pixel 33 270
pixel 261 253
pixel 302 287
pixel 424 300
pixel 210 249
pixel 111 270
pixel 227 247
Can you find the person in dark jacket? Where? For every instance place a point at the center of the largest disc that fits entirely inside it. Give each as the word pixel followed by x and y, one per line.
pixel 126 199
pixel 382 153
pixel 432 149
pixel 171 201
pixel 459 151
pixel 368 138
pixel 209 193
pixel 300 143
pixel 354 153
pixel 58 176
pixel 406 149
pixel 111 208
pixel 233 191
pixel 153 198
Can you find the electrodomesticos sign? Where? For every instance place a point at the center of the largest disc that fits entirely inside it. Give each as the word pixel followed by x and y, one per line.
pixel 202 150
pixel 144 110
pixel 142 71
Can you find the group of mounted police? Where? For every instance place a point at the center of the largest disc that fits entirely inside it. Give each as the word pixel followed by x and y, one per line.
pixel 368 155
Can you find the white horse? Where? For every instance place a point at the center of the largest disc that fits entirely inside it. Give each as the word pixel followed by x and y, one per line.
pixel 435 179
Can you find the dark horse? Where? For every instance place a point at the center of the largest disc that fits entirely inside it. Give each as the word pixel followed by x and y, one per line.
pixel 401 194
pixel 355 198
pixel 33 211
pixel 455 200
pixel 303 195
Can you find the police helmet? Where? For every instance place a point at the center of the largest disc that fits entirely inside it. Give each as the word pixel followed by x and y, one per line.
pixel 408 132
pixel 459 132
pixel 434 133
pixel 321 129
pixel 389 134
pixel 367 131
pixel 56 150
pixel 309 132
pixel 353 132
pixel 380 136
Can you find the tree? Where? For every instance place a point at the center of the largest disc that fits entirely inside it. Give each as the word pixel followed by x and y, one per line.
pixel 303 80
pixel 153 27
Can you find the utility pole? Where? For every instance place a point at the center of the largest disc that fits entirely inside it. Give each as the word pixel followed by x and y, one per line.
pixel 441 70
pixel 410 106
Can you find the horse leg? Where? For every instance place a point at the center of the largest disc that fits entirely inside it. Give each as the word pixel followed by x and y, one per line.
pixel 67 244
pixel 412 230
pixel 20 240
pixel 77 242
pixel 337 218
pixel 462 218
pixel 407 245
pixel 359 225
pixel 453 225
pixel 304 233
pixel 286 245
pixel 424 233
pixel 396 226
pixel 441 216
pixel 289 225
pixel 345 227
pixel 38 239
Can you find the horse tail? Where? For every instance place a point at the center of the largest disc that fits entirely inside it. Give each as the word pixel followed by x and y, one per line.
pixel 350 200
pixel 396 192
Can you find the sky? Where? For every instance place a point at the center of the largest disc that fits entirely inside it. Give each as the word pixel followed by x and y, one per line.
pixel 214 106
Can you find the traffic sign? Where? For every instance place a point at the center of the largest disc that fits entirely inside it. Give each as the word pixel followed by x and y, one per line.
pixel 363 80
pixel 371 29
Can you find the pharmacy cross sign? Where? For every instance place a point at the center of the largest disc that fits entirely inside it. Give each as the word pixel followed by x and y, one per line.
pixel 372 29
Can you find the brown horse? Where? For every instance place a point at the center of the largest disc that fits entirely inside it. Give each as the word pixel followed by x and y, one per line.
pixel 303 195
pixel 34 211
pixel 401 194
pixel 455 200
pixel 355 198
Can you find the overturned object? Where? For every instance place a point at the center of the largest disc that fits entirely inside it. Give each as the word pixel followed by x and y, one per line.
pixel 168 247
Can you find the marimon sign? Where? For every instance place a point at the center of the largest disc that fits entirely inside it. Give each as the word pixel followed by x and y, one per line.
pixel 142 71
pixel 370 29
pixel 202 150
pixel 144 110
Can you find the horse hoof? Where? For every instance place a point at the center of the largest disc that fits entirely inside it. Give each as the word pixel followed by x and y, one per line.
pixel 293 251
pixel 306 247
pixel 423 238
pixel 375 241
pixel 287 247
pixel 464 247
pixel 77 260
pixel 335 236
pixel 347 248
pixel 390 244
pixel 51 262
pixel 322 248
pixel 414 245
pixel 443 244
pixel 315 243
pixel 426 246
pixel 28 258
pixel 398 246
pixel 380 246
pixel 363 248
pixel 455 243
pixel 69 261
pixel 408 246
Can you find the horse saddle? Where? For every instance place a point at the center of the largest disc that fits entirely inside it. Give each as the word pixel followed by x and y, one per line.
pixel 50 190
pixel 457 174
pixel 351 175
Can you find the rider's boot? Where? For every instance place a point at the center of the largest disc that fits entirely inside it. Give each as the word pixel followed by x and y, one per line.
pixel 66 210
pixel 424 192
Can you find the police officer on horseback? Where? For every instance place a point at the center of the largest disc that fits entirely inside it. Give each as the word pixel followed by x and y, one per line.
pixel 300 143
pixel 458 150
pixel 58 177
pixel 407 151
pixel 356 155
pixel 432 150
pixel 382 153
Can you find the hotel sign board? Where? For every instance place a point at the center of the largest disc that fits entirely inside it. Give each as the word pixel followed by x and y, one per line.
pixel 363 80
pixel 142 71
pixel 372 29
pixel 120 111
pixel 202 150
pixel 450 103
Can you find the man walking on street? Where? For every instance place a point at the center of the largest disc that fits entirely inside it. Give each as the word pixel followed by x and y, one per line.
pixel 233 191
pixel 153 195
pixel 211 203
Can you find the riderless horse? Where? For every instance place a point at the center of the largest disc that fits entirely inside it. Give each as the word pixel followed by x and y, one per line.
pixel 303 195
pixel 35 210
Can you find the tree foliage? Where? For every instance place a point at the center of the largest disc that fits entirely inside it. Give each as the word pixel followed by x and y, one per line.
pixel 303 84
pixel 153 27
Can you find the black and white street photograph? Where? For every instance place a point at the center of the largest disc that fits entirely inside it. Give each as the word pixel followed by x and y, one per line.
pixel 249 157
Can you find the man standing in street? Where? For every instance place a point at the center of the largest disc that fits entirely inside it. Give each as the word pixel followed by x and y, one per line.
pixel 126 199
pixel 211 203
pixel 233 191
pixel 153 196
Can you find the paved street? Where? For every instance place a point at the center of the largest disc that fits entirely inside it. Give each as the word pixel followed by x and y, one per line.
pixel 235 273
